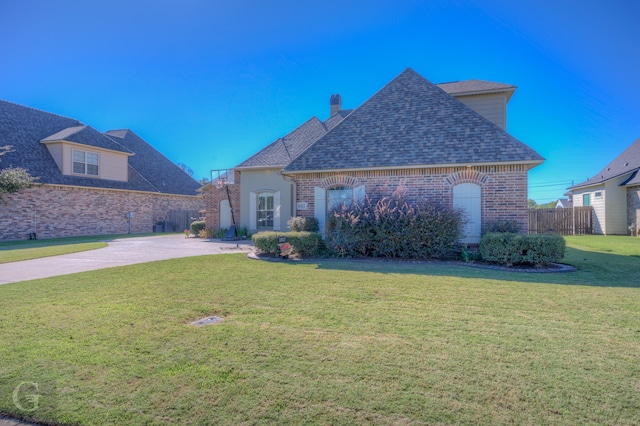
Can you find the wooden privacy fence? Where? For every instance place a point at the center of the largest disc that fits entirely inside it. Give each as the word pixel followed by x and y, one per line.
pixel 576 220
pixel 180 219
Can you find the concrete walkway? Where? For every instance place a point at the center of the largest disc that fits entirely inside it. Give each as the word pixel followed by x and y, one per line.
pixel 126 251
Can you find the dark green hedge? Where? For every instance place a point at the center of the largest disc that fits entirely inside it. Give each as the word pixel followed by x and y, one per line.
pixel 510 249
pixel 305 244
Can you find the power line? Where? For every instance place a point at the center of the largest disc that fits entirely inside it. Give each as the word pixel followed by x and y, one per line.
pixel 546 184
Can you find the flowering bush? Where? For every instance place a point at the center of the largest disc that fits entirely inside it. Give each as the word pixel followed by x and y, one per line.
pixel 392 227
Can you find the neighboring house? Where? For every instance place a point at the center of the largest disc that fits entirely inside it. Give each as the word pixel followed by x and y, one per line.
pixel 445 143
pixel 87 180
pixel 614 194
pixel 564 203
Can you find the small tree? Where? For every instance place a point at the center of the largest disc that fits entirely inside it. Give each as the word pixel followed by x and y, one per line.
pixel 13 179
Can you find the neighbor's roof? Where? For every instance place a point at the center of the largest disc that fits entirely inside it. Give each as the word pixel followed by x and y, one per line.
pixel 412 123
pixel 24 128
pixel 627 162
pixel 155 168
pixel 284 150
pixel 85 135
pixel 565 203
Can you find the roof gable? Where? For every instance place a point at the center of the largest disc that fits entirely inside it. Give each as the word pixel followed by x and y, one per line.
pixel 627 162
pixel 411 122
pixel 152 166
pixel 476 87
pixel 283 150
pixel 85 135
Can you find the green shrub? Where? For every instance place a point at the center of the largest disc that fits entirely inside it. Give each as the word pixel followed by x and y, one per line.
pixel 391 227
pixel 512 249
pixel 303 224
pixel 242 231
pixel 504 248
pixel 197 226
pixel 543 249
pixel 305 244
pixel 266 242
pixel 468 255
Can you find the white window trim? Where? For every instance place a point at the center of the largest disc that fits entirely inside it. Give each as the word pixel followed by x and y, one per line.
pixel 253 209
pixel 85 163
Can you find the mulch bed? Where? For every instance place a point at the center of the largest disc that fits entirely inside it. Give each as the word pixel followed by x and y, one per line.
pixel 554 267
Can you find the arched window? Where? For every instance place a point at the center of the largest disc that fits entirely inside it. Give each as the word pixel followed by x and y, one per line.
pixel 339 196
pixel 468 198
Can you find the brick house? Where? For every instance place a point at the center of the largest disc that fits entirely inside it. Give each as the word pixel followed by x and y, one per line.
pixel 87 180
pixel 443 142
pixel 614 194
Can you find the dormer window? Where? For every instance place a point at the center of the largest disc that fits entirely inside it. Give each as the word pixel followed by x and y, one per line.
pixel 85 163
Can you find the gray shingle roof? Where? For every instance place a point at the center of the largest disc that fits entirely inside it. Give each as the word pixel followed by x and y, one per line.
pixel 282 151
pixel 565 202
pixel 412 123
pixel 336 118
pixel 627 162
pixel 24 128
pixel 86 135
pixel 155 168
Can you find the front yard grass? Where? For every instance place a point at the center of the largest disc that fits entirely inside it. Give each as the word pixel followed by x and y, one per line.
pixel 329 342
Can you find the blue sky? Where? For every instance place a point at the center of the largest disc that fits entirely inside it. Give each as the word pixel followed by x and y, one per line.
pixel 208 83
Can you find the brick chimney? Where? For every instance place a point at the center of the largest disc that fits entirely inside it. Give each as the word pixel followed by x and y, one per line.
pixel 335 104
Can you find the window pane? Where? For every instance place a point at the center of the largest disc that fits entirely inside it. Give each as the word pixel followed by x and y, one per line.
pixel 265 210
pixel 339 197
pixel 78 156
pixel 92 158
pixel 92 169
pixel 586 200
pixel 78 167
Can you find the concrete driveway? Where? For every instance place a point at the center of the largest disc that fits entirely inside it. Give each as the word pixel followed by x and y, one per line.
pixel 126 251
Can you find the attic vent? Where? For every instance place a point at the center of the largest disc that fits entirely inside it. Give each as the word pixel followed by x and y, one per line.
pixel 608 168
pixel 626 164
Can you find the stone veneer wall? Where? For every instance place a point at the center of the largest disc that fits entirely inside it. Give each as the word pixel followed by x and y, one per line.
pixel 633 207
pixel 214 195
pixel 504 188
pixel 54 211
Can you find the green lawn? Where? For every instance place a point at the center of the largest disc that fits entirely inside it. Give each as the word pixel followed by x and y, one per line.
pixel 329 342
pixel 15 251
